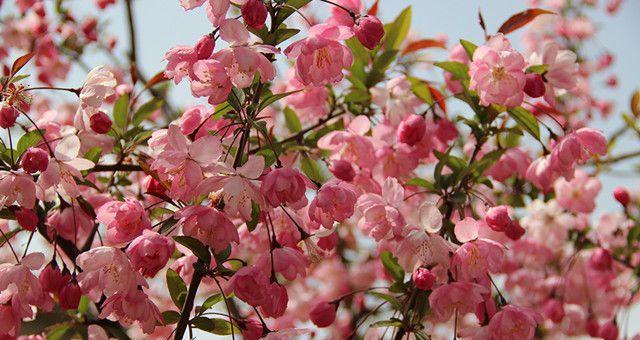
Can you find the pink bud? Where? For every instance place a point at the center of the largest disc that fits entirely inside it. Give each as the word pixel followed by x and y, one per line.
pixel 34 160
pixel 328 242
pixel 411 130
pixel 8 115
pixel 608 331
pixel 254 13
pixel 26 218
pixel 498 218
pixel 369 31
pixel 251 329
pixel 593 327
pixel 52 279
pixel 70 295
pixel 204 47
pixel 514 231
pixel 323 314
pixel 423 278
pixel 601 260
pixel 154 187
pixel 622 195
pixel 100 122
pixel 342 170
pixel 554 310
pixel 534 87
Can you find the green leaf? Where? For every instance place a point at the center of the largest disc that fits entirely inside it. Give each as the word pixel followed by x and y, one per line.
pixel 236 98
pixel 58 333
pixel 397 31
pixel 284 34
pixel 19 78
pixel 209 302
pixel 311 168
pixel 420 182
pixel 120 111
pixel 274 98
pixel 389 298
pixel 387 323
pixel 198 249
pixel 286 11
pixel 93 154
pixel 526 120
pixel 255 217
pixel 469 47
pixel 28 140
pixel 421 90
pixel 214 325
pixel 391 265
pixel 170 317
pixel 539 69
pixel 177 288
pixel 146 110
pixel 43 321
pixel 292 120
pixel 459 71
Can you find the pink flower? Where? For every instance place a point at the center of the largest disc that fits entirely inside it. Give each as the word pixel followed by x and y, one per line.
pixel 473 260
pixel 320 58
pixel 420 248
pixel 285 186
pixel 457 53
pixel 534 86
pixel 124 220
pixel 342 170
pixel 380 215
pixel 251 329
pixel 334 202
pixel 411 130
pixel 351 145
pixel 513 322
pixel 423 278
pixel 340 17
pixel 17 188
pixel 467 229
pixel 553 309
pixel 562 69
pixel 579 194
pixel 150 252
pixel 106 270
pixel 541 174
pixel 497 73
pixel 513 159
pixel 369 31
pixel 27 218
pixel 131 306
pixel 250 285
pixel 34 160
pixel 8 115
pixel 216 9
pixel 276 300
pixel 180 59
pixel 210 80
pixel 52 279
pixel 254 13
pixel 60 175
pixel 19 285
pixel 498 218
pixel 69 295
pixel 577 147
pixel 208 225
pixel 323 313
pixel 99 84
pixel 287 261
pixel 456 297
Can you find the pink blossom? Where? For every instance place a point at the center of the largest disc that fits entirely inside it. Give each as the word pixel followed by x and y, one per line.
pixel 180 59
pixel 251 329
pixel 456 297
pixel 342 170
pixel 34 160
pixel 276 300
pixel 513 159
pixel 340 17
pixel 562 69
pixel 250 285
pixel 106 270
pixel 498 218
pixel 131 306
pixel 474 260
pixel 287 261
pixel 17 188
pixel 396 99
pixel 351 145
pixel 423 278
pixel 411 130
pixel 210 80
pixel 513 322
pixel 541 174
pixel 497 73
pixel 578 195
pixel 69 295
pixel 285 186
pixel 467 229
pixel 379 214
pixel 150 252
pixel 27 218
pixel 100 122
pixel 254 13
pixel 334 202
pixel 60 175
pixel 208 225
pixel 323 313
pixel 8 115
pixel 216 9
pixel 124 220
pixel 320 58
pixel 420 248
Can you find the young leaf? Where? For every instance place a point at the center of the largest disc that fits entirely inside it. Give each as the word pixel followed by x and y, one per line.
pixel 391 265
pixel 274 98
pixel 215 325
pixel 177 288
pixel 146 110
pixel 459 71
pixel 526 120
pixel 120 111
pixel 423 44
pixel 311 168
pixel 397 31
pixel 292 120
pixel 28 140
pixel 469 47
pixel 520 19
pixel 198 249
pixel 170 317
pixel 20 62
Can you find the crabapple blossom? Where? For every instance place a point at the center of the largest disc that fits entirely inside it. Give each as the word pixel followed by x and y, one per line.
pixel 124 220
pixel 150 252
pixel 369 31
pixel 323 313
pixel 34 160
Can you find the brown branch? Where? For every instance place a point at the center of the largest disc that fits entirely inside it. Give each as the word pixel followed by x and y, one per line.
pixel 188 304
pixel 115 167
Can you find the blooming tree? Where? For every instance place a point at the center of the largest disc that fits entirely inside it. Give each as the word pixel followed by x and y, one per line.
pixel 355 193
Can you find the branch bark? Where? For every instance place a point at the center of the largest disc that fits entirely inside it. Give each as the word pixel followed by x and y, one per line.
pixel 188 304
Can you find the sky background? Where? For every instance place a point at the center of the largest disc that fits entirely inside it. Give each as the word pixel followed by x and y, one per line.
pixel 162 24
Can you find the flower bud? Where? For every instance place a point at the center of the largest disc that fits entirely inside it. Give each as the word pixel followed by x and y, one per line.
pixel 154 187
pixel 27 218
pixel 498 218
pixel 554 310
pixel 8 115
pixel 323 314
pixel 251 329
pixel 593 327
pixel 423 278
pixel 34 160
pixel 534 87
pixel 342 170
pixel 204 47
pixel 254 13
pixel 369 31
pixel 622 195
pixel 70 295
pixel 514 231
pixel 608 331
pixel 601 260
pixel 411 130
pixel 100 122
pixel 52 279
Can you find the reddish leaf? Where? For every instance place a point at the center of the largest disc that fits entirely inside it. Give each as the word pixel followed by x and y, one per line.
pixel 20 62
pixel 520 19
pixel 157 79
pixel 374 9
pixel 438 98
pixel 422 44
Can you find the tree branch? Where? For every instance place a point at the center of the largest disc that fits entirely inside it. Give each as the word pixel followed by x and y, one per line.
pixel 188 304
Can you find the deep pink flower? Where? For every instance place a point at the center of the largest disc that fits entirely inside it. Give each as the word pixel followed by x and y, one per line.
pixel 335 202
pixel 69 295
pixel 369 30
pixel 534 86
pixel 210 80
pixel 209 225
pixel 8 115
pixel 497 73
pixel 411 130
pixel 608 331
pixel 553 309
pixel 52 279
pixel 124 220
pixel 514 322
pixel 180 59
pixel 342 170
pixel 254 13
pixel 285 186
pixel 130 307
pixel 476 259
pixel 150 252
pixel 576 147
pixel 250 285
pixel 601 259
pixel 351 145
pixel 320 58
pixel 456 297
pixel 498 218
pixel 251 329
pixel 423 278
pixel 276 300
pixel 323 313
pixel 34 160
pixel 287 261
pixel 514 160
pixel 27 218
